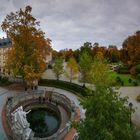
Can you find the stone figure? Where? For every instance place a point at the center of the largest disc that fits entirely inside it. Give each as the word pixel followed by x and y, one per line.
pixel 20 124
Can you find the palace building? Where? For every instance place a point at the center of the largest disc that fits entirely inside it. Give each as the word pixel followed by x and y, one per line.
pixel 5 45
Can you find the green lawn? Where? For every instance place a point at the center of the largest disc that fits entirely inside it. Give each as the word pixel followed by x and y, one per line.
pixel 124 77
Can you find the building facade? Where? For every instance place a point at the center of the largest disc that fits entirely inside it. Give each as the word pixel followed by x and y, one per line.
pixel 5 45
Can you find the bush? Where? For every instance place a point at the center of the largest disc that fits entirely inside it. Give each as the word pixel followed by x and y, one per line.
pixel 135 72
pixel 118 79
pixel 125 69
pixel 76 89
pixel 49 66
pixel 135 83
pixel 137 68
pixel 130 80
pixel 138 98
pixel 4 81
pixel 122 82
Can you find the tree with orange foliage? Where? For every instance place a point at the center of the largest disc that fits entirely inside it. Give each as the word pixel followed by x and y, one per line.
pixel 131 48
pixel 68 54
pixel 27 57
pixel 113 54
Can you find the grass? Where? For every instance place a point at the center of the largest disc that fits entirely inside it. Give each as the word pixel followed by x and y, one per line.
pixel 124 77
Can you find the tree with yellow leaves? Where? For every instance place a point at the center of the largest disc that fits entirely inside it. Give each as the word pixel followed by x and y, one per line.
pixel 72 69
pixel 27 56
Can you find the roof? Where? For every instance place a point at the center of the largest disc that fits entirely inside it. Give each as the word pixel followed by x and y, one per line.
pixel 5 42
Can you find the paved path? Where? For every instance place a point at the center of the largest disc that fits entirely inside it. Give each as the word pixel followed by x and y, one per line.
pixel 132 93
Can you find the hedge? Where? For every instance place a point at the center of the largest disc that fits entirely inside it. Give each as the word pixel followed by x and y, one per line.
pixel 74 88
pixel 4 81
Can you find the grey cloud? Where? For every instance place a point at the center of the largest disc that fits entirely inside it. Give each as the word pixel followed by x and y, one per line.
pixel 70 23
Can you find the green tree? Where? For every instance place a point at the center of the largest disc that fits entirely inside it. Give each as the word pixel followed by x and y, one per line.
pixel 99 71
pixel 72 69
pixel 27 57
pixel 107 115
pixel 85 64
pixel 76 55
pixel 86 47
pixel 58 67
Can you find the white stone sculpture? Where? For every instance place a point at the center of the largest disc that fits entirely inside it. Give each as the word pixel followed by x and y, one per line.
pixel 20 123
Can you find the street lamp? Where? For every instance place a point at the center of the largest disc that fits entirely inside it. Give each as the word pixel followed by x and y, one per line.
pixel 130 106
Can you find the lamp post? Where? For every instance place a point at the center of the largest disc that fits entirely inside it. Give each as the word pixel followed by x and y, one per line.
pixel 130 106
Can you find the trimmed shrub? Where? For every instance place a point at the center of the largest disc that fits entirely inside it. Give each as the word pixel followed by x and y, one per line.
pixel 137 68
pixel 118 79
pixel 4 81
pixel 122 82
pixel 135 83
pixel 125 69
pixel 130 80
pixel 74 88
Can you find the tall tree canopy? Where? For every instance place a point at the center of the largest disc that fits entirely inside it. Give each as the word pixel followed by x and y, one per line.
pixel 72 69
pixel 85 64
pixel 58 67
pixel 29 47
pixel 113 54
pixel 86 47
pixel 107 115
pixel 131 48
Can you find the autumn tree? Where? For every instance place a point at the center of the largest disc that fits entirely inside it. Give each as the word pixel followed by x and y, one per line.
pixel 72 69
pixel 29 47
pixel 58 67
pixel 76 55
pixel 68 54
pixel 98 49
pixel 107 115
pixel 113 54
pixel 124 56
pixel 131 47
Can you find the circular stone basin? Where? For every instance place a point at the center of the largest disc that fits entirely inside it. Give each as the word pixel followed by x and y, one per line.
pixel 44 122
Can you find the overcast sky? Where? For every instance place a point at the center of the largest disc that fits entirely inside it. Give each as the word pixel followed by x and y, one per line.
pixel 70 23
